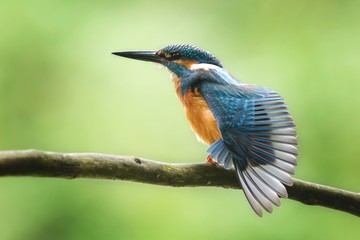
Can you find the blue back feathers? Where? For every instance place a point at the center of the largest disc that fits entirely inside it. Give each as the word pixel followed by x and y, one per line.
pixel 257 138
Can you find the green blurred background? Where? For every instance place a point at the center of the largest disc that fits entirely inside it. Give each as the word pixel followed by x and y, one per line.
pixel 62 90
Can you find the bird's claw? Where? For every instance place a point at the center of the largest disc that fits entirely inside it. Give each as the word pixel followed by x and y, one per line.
pixel 212 161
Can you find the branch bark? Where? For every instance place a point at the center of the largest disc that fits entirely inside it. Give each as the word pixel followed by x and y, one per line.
pixel 102 166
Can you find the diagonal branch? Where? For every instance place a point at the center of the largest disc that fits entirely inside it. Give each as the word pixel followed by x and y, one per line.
pixel 102 166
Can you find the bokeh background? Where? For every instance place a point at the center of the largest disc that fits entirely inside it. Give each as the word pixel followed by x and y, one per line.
pixel 62 90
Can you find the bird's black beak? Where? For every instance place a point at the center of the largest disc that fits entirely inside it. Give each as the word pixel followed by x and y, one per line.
pixel 149 56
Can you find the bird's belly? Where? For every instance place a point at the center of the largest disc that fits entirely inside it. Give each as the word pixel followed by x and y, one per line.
pixel 202 120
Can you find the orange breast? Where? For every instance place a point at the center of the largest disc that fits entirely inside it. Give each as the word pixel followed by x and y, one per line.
pixel 202 120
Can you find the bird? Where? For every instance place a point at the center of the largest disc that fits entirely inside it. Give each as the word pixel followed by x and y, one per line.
pixel 248 127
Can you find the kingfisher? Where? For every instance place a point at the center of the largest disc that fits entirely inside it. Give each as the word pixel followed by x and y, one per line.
pixel 248 127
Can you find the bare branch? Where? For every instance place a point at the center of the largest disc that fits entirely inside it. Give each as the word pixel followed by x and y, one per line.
pixel 102 166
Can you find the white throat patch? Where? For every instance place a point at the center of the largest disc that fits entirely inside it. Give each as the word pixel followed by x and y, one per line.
pixel 203 66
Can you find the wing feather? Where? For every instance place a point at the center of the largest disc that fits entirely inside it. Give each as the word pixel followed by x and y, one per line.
pixel 258 138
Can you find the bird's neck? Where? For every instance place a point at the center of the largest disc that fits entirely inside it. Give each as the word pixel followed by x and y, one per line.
pixel 177 85
pixel 183 91
pixel 178 69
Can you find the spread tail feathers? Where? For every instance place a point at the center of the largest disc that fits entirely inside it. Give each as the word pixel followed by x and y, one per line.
pixel 262 181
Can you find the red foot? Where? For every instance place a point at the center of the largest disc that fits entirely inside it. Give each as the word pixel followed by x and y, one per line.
pixel 212 161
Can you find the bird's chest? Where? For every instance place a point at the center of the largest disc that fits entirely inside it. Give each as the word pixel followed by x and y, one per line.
pixel 200 117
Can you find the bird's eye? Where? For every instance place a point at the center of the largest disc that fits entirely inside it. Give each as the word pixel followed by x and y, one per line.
pixel 169 56
pixel 175 55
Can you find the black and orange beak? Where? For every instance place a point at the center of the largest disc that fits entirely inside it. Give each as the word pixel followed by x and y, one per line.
pixel 149 56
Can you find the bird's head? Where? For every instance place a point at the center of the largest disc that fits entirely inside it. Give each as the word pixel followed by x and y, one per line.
pixel 180 59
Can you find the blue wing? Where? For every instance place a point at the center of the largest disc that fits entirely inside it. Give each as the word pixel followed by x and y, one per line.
pixel 258 139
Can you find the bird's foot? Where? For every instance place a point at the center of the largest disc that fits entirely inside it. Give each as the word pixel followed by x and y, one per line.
pixel 212 161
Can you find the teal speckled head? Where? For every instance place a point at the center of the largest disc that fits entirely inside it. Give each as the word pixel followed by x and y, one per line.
pixel 188 52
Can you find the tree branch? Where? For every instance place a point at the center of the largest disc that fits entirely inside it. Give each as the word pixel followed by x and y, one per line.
pixel 102 166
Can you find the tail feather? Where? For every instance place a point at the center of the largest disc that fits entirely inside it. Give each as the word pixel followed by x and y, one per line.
pixel 283 177
pixel 268 192
pixel 261 177
pixel 256 192
pixel 271 182
pixel 250 197
pixel 260 193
